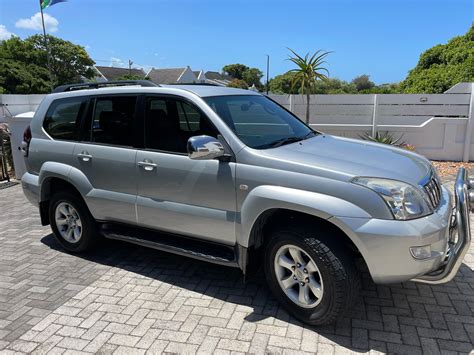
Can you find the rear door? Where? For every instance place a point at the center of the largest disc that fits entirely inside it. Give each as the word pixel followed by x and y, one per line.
pixel 106 155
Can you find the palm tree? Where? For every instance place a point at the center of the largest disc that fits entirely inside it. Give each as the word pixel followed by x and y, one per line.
pixel 309 70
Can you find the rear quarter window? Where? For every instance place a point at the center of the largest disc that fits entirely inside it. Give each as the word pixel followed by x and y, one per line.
pixel 63 118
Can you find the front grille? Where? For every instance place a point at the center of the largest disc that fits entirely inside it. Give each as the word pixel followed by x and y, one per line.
pixel 433 190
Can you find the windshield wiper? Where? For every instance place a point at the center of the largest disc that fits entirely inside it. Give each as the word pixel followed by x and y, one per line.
pixel 283 141
pixel 310 134
pixel 288 140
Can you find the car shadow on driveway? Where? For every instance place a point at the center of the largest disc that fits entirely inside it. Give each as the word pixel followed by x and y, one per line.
pixel 402 318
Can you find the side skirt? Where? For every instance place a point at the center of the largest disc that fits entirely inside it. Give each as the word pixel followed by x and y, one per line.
pixel 176 244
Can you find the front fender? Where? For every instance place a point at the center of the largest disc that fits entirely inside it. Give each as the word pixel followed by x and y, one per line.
pixel 265 197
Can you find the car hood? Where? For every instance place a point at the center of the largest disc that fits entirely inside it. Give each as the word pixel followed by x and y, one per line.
pixel 333 156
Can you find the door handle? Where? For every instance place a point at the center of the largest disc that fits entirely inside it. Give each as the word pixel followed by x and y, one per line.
pixel 85 156
pixel 146 164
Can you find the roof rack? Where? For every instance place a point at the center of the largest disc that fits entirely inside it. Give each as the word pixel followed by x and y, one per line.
pixel 98 85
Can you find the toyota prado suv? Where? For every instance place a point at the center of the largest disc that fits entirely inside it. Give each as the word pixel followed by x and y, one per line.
pixel 231 177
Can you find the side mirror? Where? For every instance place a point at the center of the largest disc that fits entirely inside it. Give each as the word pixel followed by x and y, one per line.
pixel 204 148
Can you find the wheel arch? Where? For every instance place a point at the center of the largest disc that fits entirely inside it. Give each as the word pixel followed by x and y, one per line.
pixel 56 177
pixel 52 170
pixel 276 205
pixel 265 200
pixel 272 218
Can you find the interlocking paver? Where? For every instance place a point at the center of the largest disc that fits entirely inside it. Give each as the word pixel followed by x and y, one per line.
pixel 123 298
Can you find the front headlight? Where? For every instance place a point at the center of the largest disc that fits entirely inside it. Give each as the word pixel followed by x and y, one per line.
pixel 405 200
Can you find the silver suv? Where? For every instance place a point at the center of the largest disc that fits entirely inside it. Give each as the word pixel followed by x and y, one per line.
pixel 231 177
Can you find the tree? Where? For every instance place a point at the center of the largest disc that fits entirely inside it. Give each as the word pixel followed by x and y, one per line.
pixel 283 84
pixel 22 78
pixel 252 76
pixel 390 88
pixel 334 86
pixel 131 77
pixel 69 62
pixel 362 82
pixel 20 72
pixel 24 70
pixel 307 72
pixel 236 71
pixel 443 66
pixel 239 84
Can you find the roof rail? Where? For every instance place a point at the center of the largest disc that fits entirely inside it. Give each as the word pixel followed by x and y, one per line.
pixel 198 84
pixel 98 85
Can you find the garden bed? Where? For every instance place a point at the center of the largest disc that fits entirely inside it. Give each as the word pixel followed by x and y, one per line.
pixel 448 168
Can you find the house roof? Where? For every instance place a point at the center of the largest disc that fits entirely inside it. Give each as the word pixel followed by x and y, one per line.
pixel 165 76
pixel 112 73
pixel 214 75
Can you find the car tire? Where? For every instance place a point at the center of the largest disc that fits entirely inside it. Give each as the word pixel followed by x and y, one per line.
pixel 326 270
pixel 68 212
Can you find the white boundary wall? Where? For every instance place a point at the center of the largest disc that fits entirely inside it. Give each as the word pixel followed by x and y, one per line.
pixel 438 125
pixel 12 105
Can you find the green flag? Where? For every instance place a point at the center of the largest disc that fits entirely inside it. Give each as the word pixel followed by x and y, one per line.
pixel 47 3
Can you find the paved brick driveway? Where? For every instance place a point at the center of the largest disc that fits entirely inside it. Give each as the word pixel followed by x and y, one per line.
pixel 127 299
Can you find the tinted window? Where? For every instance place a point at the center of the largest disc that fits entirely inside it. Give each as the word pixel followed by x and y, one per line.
pixel 189 117
pixel 171 122
pixel 258 121
pixel 63 118
pixel 113 120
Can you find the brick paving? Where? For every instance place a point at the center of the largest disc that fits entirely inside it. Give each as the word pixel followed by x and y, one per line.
pixel 128 299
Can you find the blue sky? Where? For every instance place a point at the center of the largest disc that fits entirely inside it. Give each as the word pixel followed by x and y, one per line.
pixel 381 38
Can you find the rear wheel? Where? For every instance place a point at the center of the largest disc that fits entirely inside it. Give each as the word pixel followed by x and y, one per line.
pixel 71 222
pixel 315 280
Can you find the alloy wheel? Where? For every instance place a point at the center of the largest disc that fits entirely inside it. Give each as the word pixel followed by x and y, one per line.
pixel 68 222
pixel 298 276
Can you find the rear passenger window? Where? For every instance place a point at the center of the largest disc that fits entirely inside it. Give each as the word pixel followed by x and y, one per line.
pixel 113 120
pixel 63 118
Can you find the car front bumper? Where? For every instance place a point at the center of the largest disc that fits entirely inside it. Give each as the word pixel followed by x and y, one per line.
pixel 385 244
pixel 459 233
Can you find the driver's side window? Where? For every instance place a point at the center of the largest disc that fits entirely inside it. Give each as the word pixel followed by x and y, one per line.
pixel 170 122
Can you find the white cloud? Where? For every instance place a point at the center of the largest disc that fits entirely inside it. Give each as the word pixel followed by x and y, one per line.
pixel 4 33
pixel 116 62
pixel 34 23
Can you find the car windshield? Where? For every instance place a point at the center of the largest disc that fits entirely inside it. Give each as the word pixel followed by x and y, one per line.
pixel 258 121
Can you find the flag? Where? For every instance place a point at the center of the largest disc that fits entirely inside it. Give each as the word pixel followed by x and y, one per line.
pixel 47 3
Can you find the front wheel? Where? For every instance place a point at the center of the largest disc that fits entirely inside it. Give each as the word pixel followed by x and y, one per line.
pixel 316 282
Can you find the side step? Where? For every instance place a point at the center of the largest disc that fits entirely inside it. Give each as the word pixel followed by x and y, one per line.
pixel 176 244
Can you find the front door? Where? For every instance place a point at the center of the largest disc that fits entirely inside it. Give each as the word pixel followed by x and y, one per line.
pixel 177 194
pixel 106 155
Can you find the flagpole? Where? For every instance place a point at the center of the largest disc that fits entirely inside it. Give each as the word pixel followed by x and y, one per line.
pixel 47 48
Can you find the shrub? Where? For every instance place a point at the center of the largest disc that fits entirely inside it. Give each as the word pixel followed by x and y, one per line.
pixel 5 149
pixel 443 66
pixel 384 138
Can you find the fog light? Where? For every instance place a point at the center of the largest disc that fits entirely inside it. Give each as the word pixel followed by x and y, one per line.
pixel 422 252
